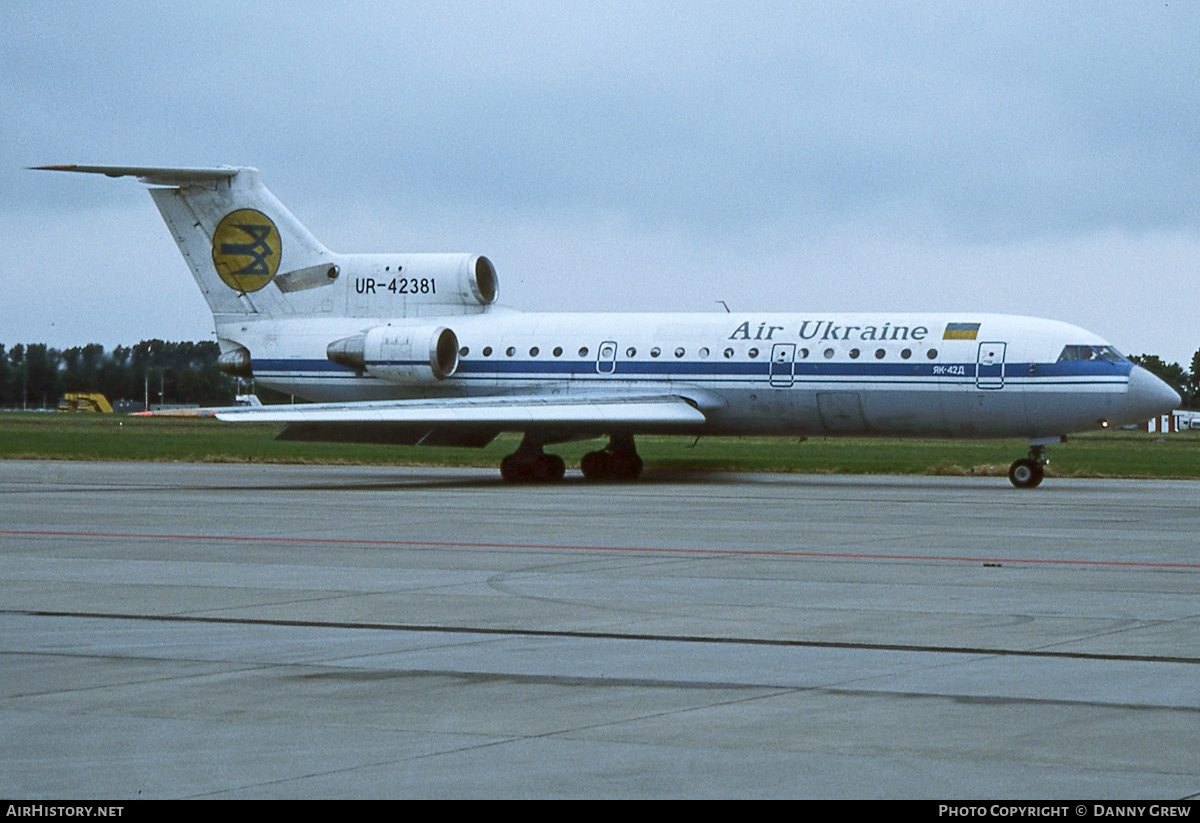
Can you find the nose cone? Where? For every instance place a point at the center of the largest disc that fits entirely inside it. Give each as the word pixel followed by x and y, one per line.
pixel 1147 397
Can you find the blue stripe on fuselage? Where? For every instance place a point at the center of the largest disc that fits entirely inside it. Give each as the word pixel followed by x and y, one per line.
pixel 717 369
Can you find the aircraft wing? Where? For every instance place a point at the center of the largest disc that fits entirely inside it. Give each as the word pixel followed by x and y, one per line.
pixel 513 411
pixel 466 421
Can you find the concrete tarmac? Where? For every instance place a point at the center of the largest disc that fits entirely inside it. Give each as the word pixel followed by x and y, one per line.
pixel 214 630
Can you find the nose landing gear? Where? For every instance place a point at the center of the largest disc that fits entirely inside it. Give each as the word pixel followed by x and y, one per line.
pixel 1029 472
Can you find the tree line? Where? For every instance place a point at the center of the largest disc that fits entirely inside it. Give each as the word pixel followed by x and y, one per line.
pixel 1186 382
pixel 35 376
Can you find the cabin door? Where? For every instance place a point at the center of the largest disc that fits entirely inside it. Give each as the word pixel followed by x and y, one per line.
pixel 783 364
pixel 989 366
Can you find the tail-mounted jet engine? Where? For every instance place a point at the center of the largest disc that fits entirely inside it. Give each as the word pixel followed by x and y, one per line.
pixel 478 281
pixel 463 281
pixel 400 354
pixel 235 360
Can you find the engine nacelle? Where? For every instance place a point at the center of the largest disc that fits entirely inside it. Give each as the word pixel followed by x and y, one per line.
pixel 400 354
pixel 235 360
pixel 441 279
pixel 478 280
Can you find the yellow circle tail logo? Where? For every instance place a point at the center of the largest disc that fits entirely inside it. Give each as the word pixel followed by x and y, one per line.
pixel 246 250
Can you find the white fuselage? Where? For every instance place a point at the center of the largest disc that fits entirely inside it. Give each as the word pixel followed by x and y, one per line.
pixel 964 375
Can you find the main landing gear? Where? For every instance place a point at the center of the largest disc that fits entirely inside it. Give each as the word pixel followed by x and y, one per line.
pixel 1029 472
pixel 618 460
pixel 529 464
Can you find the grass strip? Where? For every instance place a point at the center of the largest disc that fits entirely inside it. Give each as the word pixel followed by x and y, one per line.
pixel 1122 453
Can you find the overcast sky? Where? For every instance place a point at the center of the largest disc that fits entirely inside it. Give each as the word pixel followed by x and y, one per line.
pixel 1031 158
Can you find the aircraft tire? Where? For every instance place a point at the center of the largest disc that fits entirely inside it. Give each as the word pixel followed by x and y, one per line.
pixel 595 465
pixel 1026 474
pixel 604 465
pixel 510 469
pixel 628 467
pixel 551 468
pixel 539 468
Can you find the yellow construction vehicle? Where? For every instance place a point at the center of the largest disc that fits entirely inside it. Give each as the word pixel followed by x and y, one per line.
pixel 79 402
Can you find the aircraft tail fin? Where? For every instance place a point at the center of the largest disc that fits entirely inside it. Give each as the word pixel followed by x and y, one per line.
pixel 236 236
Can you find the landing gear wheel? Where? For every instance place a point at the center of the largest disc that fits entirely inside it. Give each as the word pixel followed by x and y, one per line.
pixel 532 466
pixel 1026 474
pixel 551 467
pixel 510 469
pixel 628 467
pixel 594 465
pixel 618 461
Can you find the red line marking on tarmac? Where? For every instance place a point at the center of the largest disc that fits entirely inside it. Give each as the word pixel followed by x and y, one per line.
pixel 445 544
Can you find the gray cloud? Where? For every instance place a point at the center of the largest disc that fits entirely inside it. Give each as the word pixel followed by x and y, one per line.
pixel 653 133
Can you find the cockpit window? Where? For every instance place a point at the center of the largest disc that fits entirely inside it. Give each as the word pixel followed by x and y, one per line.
pixel 1107 353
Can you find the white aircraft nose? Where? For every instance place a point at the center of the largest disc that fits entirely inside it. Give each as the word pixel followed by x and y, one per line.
pixel 1148 397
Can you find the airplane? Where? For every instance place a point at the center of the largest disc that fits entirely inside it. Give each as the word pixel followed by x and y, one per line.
pixel 414 349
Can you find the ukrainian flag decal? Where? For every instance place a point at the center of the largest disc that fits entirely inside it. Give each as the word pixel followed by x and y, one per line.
pixel 246 250
pixel 961 331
